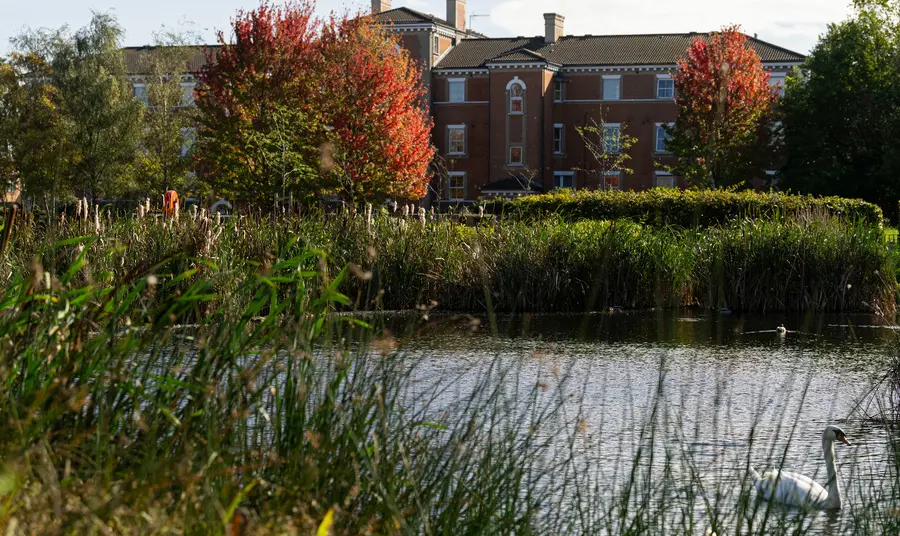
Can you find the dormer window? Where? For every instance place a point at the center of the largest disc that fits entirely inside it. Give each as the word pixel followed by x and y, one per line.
pixel 516 97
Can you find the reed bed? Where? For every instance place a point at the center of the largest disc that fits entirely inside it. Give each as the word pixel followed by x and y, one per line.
pixel 814 264
pixel 271 415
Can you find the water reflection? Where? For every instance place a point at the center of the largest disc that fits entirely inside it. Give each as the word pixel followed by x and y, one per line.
pixel 724 391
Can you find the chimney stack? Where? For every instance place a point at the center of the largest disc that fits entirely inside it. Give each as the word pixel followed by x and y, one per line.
pixel 380 6
pixel 456 14
pixel 553 27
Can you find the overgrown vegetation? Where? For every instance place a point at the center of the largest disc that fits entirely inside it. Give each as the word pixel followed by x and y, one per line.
pixel 683 208
pixel 270 416
pixel 805 264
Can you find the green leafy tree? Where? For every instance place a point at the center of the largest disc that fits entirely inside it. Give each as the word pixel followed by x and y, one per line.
pixel 168 123
pixel 841 115
pixel 722 136
pixel 89 71
pixel 9 93
pixel 257 134
pixel 77 120
pixel 38 134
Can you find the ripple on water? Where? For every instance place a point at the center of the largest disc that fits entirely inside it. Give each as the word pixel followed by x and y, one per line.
pixel 718 379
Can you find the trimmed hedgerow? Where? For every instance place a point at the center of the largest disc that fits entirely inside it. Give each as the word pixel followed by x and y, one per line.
pixel 683 208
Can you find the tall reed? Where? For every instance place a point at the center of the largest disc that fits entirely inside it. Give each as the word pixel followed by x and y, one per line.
pixel 813 264
pixel 271 415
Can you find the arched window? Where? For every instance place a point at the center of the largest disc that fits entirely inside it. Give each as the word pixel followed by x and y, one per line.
pixel 515 92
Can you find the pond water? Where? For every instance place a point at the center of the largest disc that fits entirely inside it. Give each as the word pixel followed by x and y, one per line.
pixel 723 391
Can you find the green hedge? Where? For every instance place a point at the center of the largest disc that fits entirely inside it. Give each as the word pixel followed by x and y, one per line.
pixel 685 208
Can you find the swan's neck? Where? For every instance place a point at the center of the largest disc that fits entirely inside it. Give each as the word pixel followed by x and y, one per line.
pixel 834 490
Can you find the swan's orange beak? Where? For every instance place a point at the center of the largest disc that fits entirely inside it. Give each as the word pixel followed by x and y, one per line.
pixel 845 440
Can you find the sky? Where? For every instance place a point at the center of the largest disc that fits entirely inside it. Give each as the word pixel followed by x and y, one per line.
pixel 793 24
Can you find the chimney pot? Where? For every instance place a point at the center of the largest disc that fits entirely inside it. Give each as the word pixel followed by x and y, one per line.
pixel 553 27
pixel 380 6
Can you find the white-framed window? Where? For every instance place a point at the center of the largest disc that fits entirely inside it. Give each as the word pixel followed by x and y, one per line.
pixel 559 138
pixel 436 45
pixel 515 155
pixel 777 133
pixel 140 93
pixel 612 84
pixel 456 139
pixel 777 81
pixel 187 93
pixel 612 136
pixel 665 88
pixel 456 185
pixel 559 91
pixel 456 89
pixel 188 138
pixel 662 137
pixel 564 179
pixel 611 179
pixel 664 179
pixel 516 91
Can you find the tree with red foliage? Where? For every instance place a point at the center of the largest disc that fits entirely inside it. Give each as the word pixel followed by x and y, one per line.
pixel 373 99
pixel 295 105
pixel 724 129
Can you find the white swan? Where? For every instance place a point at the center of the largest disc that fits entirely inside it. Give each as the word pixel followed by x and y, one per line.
pixel 799 490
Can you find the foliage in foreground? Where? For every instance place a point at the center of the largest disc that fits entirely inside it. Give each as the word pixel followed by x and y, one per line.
pixel 683 208
pixel 817 264
pixel 270 416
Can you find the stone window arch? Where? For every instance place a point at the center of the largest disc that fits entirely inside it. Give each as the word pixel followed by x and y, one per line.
pixel 515 97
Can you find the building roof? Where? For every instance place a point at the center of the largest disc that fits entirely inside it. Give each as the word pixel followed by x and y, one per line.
pixel 647 49
pixel 522 54
pixel 135 58
pixel 404 15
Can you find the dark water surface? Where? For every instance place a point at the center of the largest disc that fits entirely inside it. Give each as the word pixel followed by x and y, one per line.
pixel 708 381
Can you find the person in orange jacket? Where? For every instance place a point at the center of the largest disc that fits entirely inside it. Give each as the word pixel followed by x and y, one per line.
pixel 170 199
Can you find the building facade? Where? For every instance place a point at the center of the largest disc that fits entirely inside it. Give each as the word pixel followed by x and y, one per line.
pixel 507 110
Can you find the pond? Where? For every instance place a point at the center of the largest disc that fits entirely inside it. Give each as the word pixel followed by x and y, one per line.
pixel 679 403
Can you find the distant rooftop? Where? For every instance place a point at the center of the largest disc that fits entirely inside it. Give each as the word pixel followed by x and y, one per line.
pixel 134 58
pixel 404 15
pixel 600 50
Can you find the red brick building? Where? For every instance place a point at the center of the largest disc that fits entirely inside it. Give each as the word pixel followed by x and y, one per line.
pixel 506 109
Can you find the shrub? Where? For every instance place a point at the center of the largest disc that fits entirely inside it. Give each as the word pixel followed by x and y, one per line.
pixel 683 208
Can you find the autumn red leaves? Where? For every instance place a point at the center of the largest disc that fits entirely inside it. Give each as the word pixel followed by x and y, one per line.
pixel 294 105
pixel 723 135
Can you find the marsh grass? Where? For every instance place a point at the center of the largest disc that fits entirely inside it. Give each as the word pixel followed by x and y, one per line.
pixel 157 380
pixel 270 413
pixel 810 264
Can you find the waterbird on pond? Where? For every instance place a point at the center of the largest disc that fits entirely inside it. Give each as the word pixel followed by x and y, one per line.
pixel 799 490
pixel 781 329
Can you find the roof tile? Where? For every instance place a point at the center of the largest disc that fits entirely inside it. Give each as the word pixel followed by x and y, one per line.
pixel 648 49
pixel 134 58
